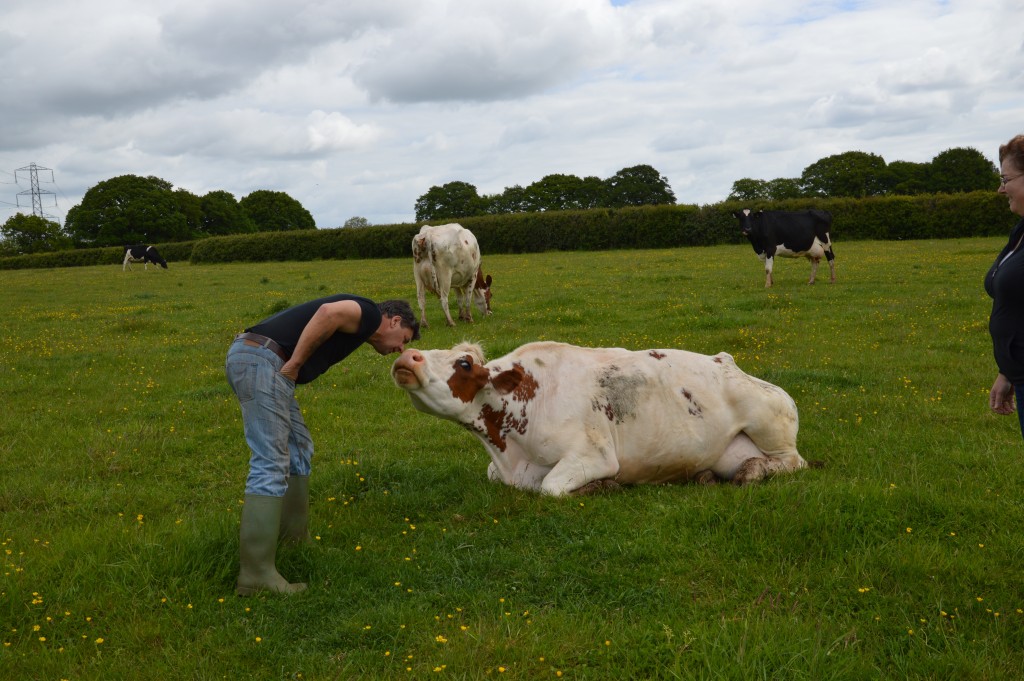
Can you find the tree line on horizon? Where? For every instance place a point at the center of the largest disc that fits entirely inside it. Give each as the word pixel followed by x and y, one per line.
pixel 857 174
pixel 854 174
pixel 134 209
pixel 639 185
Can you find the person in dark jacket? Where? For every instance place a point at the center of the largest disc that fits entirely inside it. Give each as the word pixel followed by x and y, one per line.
pixel 1005 283
pixel 264 364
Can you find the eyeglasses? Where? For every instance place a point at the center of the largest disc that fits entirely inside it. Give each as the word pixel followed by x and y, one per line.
pixel 1003 180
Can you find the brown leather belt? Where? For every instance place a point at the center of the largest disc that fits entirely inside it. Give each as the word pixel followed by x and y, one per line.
pixel 257 341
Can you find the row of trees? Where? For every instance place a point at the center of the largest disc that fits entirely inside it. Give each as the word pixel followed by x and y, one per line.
pixel 859 174
pixel 636 186
pixel 131 209
pixel 134 209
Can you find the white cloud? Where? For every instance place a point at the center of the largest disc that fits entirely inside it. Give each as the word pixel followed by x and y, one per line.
pixel 358 108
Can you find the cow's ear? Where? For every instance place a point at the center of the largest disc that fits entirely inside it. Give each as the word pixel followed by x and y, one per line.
pixel 488 281
pixel 508 380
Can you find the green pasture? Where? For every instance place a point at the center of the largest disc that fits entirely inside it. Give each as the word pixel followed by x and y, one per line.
pixel 122 468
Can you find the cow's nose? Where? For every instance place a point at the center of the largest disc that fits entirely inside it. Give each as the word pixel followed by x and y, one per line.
pixel 411 357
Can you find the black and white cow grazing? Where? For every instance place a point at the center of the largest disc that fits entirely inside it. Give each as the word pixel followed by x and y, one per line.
pixel 144 254
pixel 793 234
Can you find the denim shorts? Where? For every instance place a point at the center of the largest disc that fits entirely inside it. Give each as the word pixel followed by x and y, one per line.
pixel 274 429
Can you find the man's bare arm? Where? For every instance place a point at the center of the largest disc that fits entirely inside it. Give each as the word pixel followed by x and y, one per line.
pixel 343 315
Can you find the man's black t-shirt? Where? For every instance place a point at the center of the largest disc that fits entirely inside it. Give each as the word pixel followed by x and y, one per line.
pixel 286 326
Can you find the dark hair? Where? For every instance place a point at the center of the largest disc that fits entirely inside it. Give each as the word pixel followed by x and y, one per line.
pixel 400 308
pixel 1015 150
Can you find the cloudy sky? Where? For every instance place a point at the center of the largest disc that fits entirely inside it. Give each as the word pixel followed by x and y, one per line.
pixel 358 108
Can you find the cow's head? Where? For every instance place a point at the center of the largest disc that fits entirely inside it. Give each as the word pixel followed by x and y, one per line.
pixel 482 292
pixel 746 224
pixel 452 383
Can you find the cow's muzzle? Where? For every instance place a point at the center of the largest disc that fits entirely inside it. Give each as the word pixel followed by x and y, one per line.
pixel 405 370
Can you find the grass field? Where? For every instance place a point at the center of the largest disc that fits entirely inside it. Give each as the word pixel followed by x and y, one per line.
pixel 123 468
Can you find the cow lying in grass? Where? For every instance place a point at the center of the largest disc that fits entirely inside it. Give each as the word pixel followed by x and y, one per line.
pixel 562 419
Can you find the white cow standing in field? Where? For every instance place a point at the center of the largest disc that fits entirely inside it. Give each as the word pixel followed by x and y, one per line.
pixel 561 419
pixel 447 257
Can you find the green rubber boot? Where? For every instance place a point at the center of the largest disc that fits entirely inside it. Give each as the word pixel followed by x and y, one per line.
pixel 295 512
pixel 257 547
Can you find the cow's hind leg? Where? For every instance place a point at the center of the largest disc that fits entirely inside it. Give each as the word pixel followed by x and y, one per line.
pixel 596 487
pixel 772 429
pixel 444 284
pixel 814 268
pixel 761 467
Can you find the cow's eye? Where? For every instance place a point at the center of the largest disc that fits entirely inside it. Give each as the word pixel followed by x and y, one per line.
pixel 464 364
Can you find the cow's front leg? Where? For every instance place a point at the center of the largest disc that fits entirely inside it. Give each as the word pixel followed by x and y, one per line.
pixel 769 263
pixel 575 472
pixel 522 474
pixel 465 297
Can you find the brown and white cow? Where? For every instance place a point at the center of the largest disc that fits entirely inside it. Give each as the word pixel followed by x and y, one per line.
pixel 558 419
pixel 447 257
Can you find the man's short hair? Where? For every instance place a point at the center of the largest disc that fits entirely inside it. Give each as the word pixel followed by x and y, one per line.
pixel 400 308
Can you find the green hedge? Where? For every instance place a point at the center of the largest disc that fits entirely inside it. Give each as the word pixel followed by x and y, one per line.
pixel 939 216
pixel 387 241
pixel 81 257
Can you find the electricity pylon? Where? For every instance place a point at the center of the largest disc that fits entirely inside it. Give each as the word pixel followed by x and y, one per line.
pixel 37 194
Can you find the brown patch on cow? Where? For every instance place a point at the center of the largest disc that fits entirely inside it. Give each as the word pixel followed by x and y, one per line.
pixel 517 381
pixel 498 424
pixel 718 360
pixel 465 382
pixel 605 407
pixel 492 423
pixel 656 355
pixel 694 407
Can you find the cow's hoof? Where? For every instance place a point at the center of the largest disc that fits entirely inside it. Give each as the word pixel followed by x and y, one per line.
pixel 706 478
pixel 751 470
pixel 596 487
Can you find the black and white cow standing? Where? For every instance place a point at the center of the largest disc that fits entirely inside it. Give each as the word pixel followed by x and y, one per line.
pixel 144 254
pixel 792 234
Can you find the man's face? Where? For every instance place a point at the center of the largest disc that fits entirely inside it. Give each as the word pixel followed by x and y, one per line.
pixel 393 338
